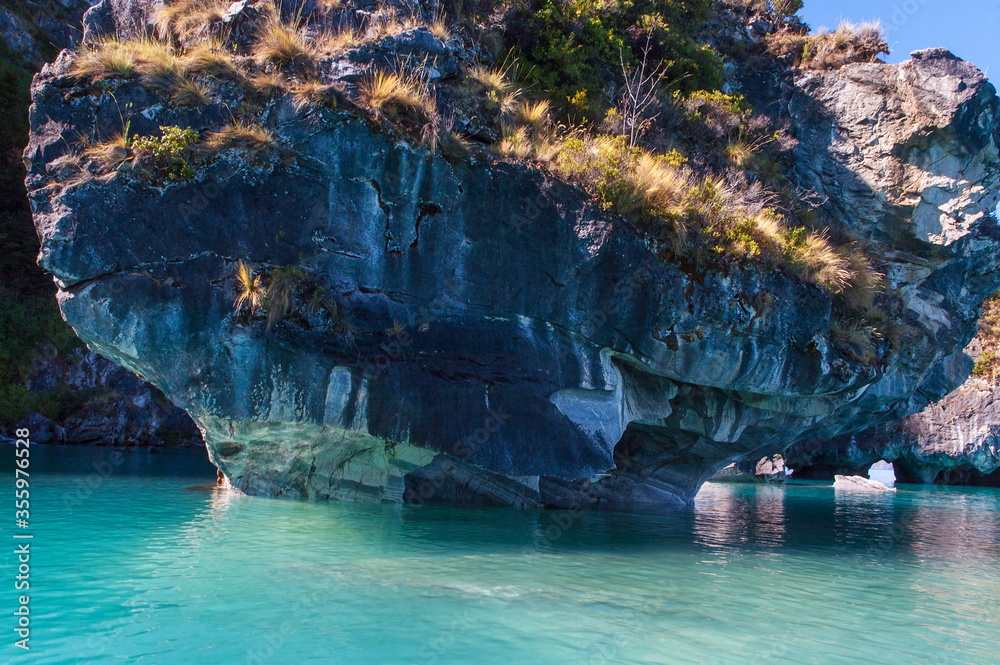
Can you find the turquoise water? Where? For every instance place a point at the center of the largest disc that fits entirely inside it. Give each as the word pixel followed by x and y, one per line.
pixel 136 567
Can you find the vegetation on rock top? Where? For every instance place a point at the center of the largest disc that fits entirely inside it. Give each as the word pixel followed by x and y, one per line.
pixel 621 97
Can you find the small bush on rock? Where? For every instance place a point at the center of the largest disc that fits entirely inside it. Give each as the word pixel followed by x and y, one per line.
pixel 167 153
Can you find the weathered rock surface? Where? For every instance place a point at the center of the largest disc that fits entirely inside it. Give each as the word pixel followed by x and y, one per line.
pixel 112 407
pixel 860 483
pixel 511 342
pixel 766 470
pixel 954 441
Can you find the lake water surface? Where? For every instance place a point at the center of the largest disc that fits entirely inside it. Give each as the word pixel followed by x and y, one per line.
pixel 131 565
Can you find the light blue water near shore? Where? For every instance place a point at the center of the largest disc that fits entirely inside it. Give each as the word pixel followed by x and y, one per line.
pixel 136 568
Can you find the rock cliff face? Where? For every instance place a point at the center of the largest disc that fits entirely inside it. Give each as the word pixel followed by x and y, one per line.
pixel 502 339
pixel 112 406
pixel 90 400
pixel 954 441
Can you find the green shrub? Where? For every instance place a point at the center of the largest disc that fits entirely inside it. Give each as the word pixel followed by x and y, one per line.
pixel 985 364
pixel 988 338
pixel 169 152
pixel 570 48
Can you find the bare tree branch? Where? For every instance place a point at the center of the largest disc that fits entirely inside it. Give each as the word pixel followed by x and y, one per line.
pixel 642 85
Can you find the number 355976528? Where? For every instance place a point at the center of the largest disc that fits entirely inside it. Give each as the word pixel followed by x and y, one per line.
pixel 22 451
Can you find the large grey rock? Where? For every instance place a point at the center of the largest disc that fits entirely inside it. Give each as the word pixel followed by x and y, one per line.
pixel 512 343
pixel 860 484
pixel 122 19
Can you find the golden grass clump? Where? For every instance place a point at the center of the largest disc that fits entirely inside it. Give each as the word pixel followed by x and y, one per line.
pixel 986 344
pixel 211 57
pixel 185 18
pixel 250 291
pixel 660 186
pixel 399 93
pixel 268 84
pixel 535 115
pixel 106 59
pixel 279 298
pixel 849 43
pixel 334 43
pixel 155 63
pixel 454 146
pixel 858 336
pixel 667 200
pixel 185 92
pixel 492 80
pixel 108 155
pixel 515 143
pixel 253 138
pixel 439 28
pixel 388 22
pixel 314 94
pixel 865 283
pixel 282 45
pixel 142 56
pixel 822 264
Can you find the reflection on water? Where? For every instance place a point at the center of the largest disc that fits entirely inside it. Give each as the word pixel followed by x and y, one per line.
pixel 725 518
pixel 142 570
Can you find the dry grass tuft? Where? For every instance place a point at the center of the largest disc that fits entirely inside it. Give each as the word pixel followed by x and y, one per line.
pixel 142 56
pixel 250 291
pixel 492 80
pixel 822 263
pixel 858 336
pixel 335 43
pixel 865 283
pixel 108 155
pixel 212 58
pixel 439 29
pixel 106 59
pixel 831 50
pixel 156 63
pixel 314 94
pixel 186 18
pixel 387 22
pixel 268 84
pixel 535 115
pixel 280 298
pixel 454 146
pixel 394 93
pixel 282 45
pixel 668 201
pixel 986 344
pixel 253 138
pixel 515 143
pixel 186 92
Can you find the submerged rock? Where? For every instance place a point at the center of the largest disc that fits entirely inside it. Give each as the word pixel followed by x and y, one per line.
pixel 484 332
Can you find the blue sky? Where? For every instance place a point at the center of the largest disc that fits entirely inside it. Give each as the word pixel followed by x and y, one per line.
pixel 968 28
